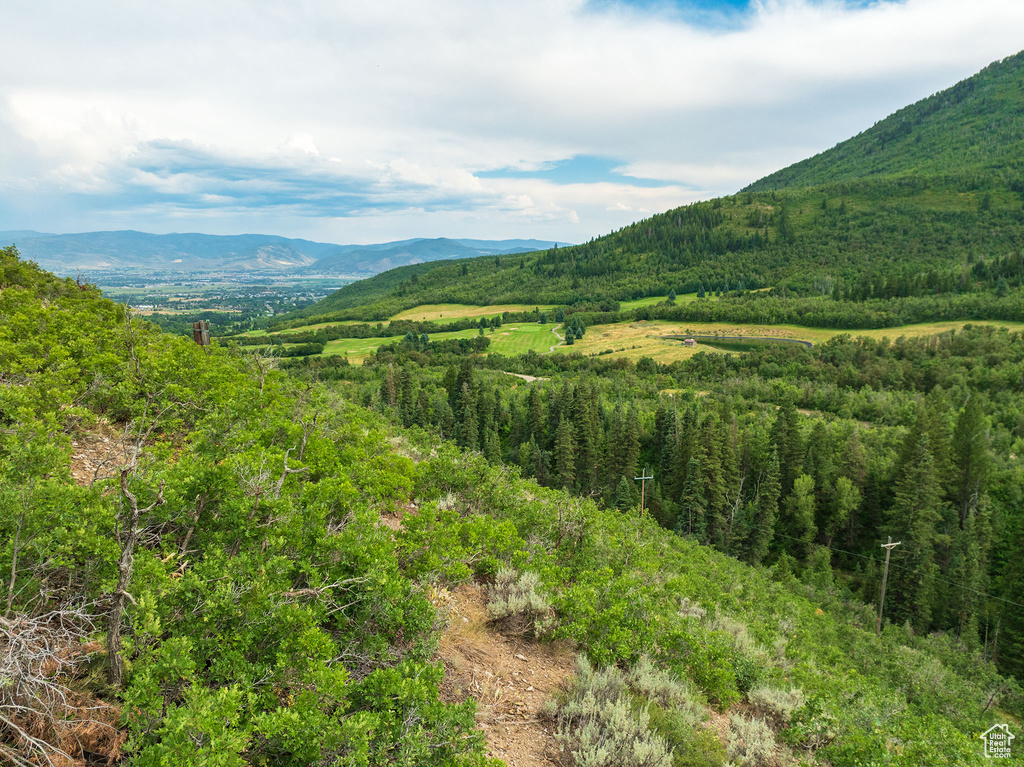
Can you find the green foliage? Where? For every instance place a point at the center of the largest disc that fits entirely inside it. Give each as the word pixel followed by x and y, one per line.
pixel 750 742
pixel 515 602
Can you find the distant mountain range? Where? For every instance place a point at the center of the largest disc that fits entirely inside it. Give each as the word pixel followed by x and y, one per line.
pixel 106 251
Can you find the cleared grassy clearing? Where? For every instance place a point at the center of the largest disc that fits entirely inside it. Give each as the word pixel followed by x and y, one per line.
pixel 513 339
pixel 681 298
pixel 304 328
pixel 633 340
pixel 458 311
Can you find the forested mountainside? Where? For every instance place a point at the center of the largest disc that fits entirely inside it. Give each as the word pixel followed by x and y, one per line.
pixel 218 587
pixel 973 130
pixel 927 202
pixel 787 455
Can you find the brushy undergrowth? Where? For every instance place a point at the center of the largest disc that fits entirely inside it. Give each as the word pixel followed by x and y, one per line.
pixel 516 603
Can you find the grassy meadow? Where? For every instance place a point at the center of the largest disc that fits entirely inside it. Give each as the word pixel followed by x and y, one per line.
pixel 512 339
pixel 630 340
pixel 440 312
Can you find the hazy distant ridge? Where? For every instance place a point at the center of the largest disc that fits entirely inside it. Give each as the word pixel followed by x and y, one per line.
pixel 66 253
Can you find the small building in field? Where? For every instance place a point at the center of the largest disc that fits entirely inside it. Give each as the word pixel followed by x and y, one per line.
pixel 689 342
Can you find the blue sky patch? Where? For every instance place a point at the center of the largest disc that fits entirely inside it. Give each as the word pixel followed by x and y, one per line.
pixel 579 169
pixel 711 14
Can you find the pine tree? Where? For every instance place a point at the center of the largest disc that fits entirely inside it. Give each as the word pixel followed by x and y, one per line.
pixel 388 387
pixel 966 572
pixel 692 503
pixel 714 485
pixel 788 444
pixel 565 455
pixel 492 447
pixel 766 510
pixel 624 495
pixel 535 415
pixel 468 428
pixel 587 438
pixel 970 456
pixel 631 443
pixel 444 416
pixel 799 517
pixel 915 512
pixel 844 502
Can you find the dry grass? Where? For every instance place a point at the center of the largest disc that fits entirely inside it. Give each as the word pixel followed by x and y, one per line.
pixel 633 340
pixel 458 311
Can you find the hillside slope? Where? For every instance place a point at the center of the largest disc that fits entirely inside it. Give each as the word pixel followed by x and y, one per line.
pixel 928 201
pixel 974 129
pixel 256 609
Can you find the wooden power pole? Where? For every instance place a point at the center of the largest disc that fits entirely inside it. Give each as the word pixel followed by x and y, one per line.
pixel 885 576
pixel 643 484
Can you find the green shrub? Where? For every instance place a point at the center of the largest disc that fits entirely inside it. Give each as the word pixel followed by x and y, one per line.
pixel 599 727
pixel 515 603
pixel 777 704
pixel 750 742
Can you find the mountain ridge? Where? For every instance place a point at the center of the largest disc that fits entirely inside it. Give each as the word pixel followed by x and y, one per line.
pixel 193 251
pixel 927 200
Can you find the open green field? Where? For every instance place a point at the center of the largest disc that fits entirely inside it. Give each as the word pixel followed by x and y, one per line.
pixel 633 340
pixel 427 312
pixel 630 340
pixel 304 328
pixel 512 339
pixel 681 298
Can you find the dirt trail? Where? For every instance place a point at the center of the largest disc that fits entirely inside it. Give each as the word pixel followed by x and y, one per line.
pixel 561 339
pixel 527 378
pixel 510 678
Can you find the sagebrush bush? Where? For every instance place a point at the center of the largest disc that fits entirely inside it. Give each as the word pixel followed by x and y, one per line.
pixel 776 704
pixel 689 609
pixel 667 690
pixel 516 603
pixel 750 742
pixel 597 723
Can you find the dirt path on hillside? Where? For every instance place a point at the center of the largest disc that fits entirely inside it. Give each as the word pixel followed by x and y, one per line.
pixel 527 378
pixel 510 679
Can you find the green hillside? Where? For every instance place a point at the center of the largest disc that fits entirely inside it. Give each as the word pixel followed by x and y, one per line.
pixel 973 131
pixel 200 574
pixel 927 202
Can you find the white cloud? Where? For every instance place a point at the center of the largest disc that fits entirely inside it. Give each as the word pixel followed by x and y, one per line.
pixel 315 114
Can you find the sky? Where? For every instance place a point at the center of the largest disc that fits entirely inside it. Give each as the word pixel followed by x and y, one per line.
pixel 359 122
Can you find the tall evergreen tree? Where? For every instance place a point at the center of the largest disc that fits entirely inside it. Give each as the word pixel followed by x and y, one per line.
pixel 912 518
pixel 692 502
pixel 623 495
pixel 468 427
pixel 765 513
pixel 970 457
pixel 788 444
pixel 565 455
pixel 799 522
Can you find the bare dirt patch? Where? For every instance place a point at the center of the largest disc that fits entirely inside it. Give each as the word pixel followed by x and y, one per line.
pixel 509 677
pixel 98 453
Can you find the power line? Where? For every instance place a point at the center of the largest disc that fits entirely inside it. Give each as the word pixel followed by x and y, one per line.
pixel 903 567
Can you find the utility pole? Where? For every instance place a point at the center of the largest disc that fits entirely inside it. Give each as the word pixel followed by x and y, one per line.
pixel 643 485
pixel 885 576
